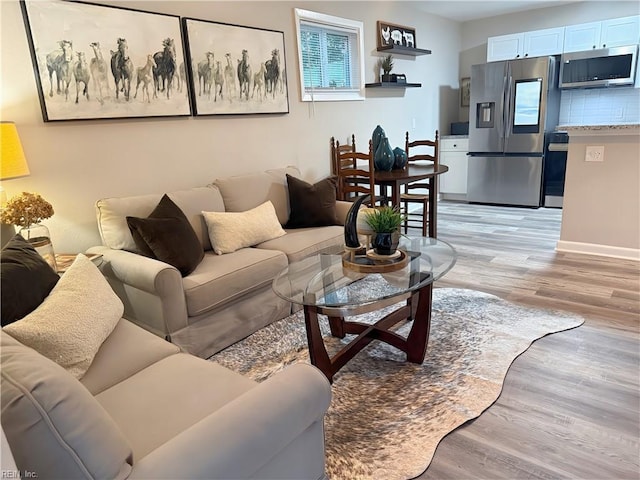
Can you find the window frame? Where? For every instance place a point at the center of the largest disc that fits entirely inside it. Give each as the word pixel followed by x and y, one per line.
pixel 355 93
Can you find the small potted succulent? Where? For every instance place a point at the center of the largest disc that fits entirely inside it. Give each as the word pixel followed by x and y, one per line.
pixel 385 223
pixel 387 65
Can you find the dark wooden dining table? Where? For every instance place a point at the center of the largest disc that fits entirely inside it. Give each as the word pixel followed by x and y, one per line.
pixel 394 180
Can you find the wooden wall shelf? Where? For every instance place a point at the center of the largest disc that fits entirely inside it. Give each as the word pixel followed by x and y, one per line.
pixel 391 85
pixel 402 50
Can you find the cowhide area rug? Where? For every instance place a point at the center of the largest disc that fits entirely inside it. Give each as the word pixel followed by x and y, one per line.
pixel 388 416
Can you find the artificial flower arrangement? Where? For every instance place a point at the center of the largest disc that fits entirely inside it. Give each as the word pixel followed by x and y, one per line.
pixel 25 210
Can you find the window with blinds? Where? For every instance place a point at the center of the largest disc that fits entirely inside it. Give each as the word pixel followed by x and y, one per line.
pixel 330 57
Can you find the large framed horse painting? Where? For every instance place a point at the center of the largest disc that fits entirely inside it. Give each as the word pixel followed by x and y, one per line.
pixel 234 69
pixel 94 61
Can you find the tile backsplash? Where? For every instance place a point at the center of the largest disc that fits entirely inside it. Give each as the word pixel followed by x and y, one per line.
pixel 600 106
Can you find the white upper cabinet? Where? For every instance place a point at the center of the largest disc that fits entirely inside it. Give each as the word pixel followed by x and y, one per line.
pixel 527 44
pixel 608 33
pixel 544 42
pixel 620 31
pixel 505 47
pixel 584 36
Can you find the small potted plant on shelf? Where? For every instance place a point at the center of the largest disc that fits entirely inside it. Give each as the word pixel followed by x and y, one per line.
pixel 385 223
pixel 387 65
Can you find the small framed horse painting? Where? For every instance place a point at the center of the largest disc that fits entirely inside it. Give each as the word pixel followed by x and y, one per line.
pixel 235 69
pixel 95 62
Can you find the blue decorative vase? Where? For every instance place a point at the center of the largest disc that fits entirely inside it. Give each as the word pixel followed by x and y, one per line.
pixel 383 157
pixel 400 158
pixel 376 137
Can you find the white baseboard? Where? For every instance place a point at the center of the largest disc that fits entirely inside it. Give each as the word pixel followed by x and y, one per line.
pixel 595 249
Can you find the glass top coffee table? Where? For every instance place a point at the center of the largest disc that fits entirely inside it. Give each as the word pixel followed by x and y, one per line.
pixel 325 284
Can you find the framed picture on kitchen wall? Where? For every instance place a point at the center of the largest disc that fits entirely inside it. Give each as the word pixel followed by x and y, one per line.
pixel 234 69
pixel 96 62
pixel 465 91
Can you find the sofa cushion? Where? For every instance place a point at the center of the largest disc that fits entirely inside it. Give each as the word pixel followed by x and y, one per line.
pixel 112 213
pixel 55 427
pixel 167 235
pixel 124 353
pixel 243 192
pixel 311 205
pixel 25 277
pixel 73 321
pixel 220 279
pixel 229 231
pixel 301 243
pixel 144 405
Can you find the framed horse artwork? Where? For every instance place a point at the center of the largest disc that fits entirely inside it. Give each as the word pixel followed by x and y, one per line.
pixel 234 69
pixel 101 62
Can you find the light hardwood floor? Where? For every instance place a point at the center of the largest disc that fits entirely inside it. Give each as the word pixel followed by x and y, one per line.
pixel 570 405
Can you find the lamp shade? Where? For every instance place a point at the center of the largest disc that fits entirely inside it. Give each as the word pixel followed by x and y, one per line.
pixel 13 163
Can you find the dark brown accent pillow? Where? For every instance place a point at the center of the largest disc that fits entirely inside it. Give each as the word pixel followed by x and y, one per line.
pixel 167 235
pixel 25 279
pixel 311 205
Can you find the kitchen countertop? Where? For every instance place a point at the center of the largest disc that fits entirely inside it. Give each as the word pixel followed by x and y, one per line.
pixel 617 129
pixel 446 137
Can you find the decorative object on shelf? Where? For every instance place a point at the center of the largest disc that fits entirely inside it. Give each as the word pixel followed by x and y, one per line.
pixel 391 35
pixel 383 157
pixel 27 210
pixel 376 138
pixel 400 158
pixel 385 222
pixel 465 91
pixel 386 64
pixel 67 39
pixel 398 78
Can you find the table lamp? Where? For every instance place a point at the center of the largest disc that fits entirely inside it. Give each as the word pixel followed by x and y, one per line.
pixel 13 163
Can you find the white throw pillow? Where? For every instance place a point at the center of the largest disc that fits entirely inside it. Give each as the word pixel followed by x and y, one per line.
pixel 70 325
pixel 229 231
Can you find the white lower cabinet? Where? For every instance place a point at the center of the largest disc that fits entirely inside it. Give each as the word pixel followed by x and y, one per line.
pixel 453 154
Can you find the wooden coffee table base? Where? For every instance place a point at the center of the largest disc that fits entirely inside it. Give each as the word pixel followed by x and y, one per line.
pixel 418 307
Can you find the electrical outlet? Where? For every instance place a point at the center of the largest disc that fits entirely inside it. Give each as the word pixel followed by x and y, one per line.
pixel 594 153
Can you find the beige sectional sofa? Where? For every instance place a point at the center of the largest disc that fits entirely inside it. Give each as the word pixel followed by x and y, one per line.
pixel 227 297
pixel 146 410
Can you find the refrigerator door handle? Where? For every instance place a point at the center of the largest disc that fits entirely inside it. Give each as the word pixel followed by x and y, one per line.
pixel 503 106
pixel 508 111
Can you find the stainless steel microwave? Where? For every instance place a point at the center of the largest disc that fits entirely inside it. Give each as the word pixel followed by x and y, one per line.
pixel 604 67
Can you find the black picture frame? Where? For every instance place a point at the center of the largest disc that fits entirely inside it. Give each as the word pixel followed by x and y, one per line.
pixel 145 50
pixel 216 53
pixel 390 35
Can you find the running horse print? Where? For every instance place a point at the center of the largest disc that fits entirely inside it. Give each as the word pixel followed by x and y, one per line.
pixel 60 62
pixel 244 74
pixel 165 68
pixel 272 73
pixel 122 68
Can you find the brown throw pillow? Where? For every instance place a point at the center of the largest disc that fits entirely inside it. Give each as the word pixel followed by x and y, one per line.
pixel 311 205
pixel 25 279
pixel 167 235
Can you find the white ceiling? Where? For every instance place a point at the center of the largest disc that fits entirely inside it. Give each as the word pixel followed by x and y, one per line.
pixel 463 11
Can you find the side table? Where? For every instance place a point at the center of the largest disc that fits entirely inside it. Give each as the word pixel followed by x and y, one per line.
pixel 64 260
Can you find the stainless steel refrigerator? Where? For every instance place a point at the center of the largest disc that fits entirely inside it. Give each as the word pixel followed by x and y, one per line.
pixel 512 105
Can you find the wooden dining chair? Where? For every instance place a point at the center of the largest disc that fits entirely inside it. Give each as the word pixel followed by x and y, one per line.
pixel 337 164
pixel 355 172
pixel 417 192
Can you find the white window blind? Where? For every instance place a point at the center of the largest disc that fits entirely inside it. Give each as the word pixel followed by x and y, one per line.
pixel 329 51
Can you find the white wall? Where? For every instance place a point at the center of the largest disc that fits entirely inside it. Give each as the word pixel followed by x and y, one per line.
pixel 475 33
pixel 75 163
